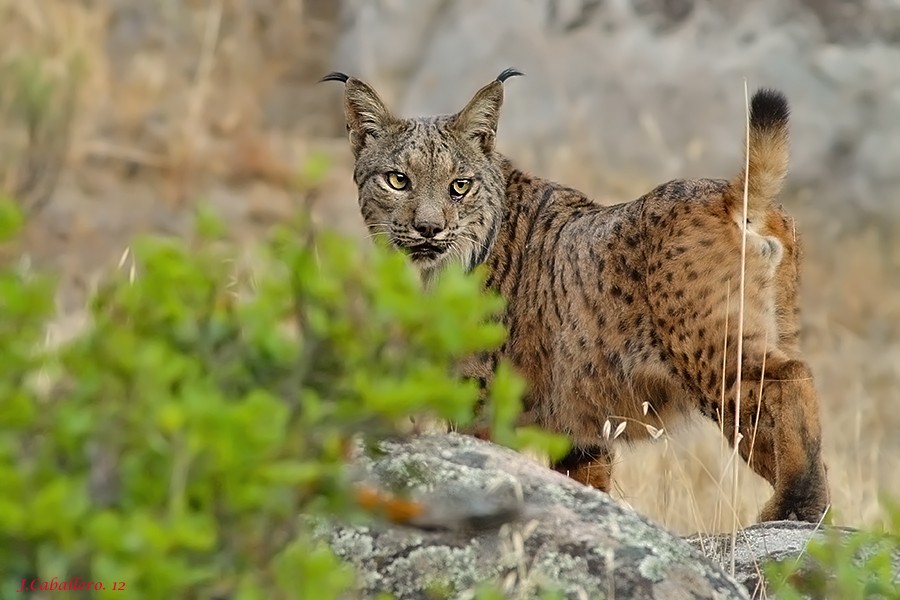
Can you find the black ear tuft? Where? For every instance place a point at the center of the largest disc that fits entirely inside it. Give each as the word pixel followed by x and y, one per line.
pixel 335 76
pixel 507 73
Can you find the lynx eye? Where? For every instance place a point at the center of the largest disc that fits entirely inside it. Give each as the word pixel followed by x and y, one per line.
pixel 459 187
pixel 396 180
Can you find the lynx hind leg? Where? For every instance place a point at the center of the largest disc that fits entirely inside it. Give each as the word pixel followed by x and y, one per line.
pixel 781 437
pixel 787 280
pixel 589 465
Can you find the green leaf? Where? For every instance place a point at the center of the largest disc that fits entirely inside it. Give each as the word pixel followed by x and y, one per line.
pixel 11 218
pixel 310 570
pixel 104 530
pixel 209 225
pixel 314 169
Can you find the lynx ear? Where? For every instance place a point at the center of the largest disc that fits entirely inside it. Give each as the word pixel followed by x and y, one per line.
pixel 366 114
pixel 478 120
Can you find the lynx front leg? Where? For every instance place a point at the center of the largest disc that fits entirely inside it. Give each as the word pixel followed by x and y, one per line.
pixel 785 441
pixel 481 368
pixel 591 466
pixel 480 427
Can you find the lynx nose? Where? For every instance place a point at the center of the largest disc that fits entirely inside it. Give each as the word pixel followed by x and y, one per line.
pixel 429 229
pixel 429 220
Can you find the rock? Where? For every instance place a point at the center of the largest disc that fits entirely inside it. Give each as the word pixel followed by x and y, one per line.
pixel 776 541
pixel 496 515
pixel 653 89
pixel 564 536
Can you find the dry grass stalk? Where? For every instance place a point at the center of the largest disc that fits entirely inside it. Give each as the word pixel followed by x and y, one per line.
pixel 740 332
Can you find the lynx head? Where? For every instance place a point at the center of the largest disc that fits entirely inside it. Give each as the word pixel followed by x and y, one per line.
pixel 432 186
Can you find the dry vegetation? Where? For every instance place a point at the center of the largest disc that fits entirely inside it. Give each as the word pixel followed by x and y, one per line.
pixel 215 100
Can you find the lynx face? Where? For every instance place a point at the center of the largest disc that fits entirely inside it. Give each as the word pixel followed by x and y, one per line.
pixel 433 187
pixel 431 191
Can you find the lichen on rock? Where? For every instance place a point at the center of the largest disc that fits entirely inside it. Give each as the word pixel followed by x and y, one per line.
pixel 562 536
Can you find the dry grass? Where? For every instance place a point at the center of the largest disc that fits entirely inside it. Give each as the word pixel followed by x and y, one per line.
pixel 177 92
pixel 215 101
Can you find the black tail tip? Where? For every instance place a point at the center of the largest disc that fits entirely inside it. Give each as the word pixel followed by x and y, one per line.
pixel 335 76
pixel 769 109
pixel 507 73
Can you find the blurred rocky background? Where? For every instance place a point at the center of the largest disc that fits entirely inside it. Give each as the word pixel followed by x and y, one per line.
pixel 120 116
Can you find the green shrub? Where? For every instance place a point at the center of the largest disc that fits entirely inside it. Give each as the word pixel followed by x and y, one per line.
pixel 859 565
pixel 172 448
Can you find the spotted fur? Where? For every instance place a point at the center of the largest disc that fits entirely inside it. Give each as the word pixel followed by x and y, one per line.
pixel 616 314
